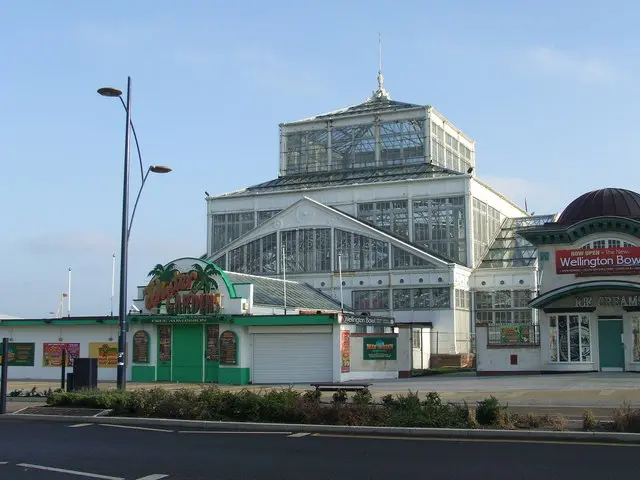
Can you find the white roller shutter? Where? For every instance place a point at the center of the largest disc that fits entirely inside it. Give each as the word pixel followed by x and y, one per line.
pixel 292 358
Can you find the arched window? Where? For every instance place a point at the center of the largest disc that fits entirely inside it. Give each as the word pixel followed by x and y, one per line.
pixel 607 243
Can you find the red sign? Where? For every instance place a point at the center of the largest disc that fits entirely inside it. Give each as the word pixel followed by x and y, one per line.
pixel 599 261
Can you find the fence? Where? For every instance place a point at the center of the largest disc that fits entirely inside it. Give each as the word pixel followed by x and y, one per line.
pixel 432 348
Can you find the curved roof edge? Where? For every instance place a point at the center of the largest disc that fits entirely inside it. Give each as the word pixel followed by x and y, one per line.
pixel 551 296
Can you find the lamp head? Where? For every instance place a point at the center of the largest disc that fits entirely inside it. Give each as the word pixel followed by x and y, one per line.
pixel 159 169
pixel 109 92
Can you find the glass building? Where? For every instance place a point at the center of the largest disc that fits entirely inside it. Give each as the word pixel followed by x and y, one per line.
pixel 378 205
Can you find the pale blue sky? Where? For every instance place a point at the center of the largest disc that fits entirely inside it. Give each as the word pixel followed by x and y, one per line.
pixel 548 89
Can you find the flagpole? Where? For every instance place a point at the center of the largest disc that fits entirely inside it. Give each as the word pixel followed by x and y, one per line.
pixel 69 295
pixel 113 280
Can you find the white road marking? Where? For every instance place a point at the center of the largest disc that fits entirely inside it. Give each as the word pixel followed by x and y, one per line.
pixel 18 411
pixel 299 434
pixel 153 476
pixel 78 425
pixel 4 463
pixel 70 472
pixel 231 432
pixel 130 427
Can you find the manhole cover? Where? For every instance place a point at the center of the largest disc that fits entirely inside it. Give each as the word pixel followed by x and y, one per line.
pixel 63 411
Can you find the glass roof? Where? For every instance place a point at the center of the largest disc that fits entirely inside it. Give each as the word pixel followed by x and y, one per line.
pixel 375 104
pixel 270 292
pixel 345 177
pixel 510 249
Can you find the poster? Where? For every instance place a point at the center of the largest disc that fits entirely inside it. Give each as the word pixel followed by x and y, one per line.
pixel 105 352
pixel 141 347
pixel 345 351
pixel 379 348
pixel 516 334
pixel 52 353
pixel 20 354
pixel 228 348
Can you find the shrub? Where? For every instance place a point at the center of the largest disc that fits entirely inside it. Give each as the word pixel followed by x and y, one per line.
pixel 626 419
pixel 340 396
pixel 312 395
pixel 488 411
pixel 530 420
pixel 362 397
pixel 555 422
pixel 589 422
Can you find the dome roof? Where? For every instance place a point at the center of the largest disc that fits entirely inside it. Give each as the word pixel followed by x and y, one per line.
pixel 606 202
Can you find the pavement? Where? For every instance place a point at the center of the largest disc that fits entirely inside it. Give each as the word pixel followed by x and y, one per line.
pixel 64 451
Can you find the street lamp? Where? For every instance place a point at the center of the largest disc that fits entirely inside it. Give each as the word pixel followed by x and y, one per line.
pixel 126 225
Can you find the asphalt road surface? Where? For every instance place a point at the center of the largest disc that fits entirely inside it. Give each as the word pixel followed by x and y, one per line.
pixel 51 451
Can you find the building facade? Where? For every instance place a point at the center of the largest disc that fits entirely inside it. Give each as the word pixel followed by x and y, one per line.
pixel 377 205
pixel 198 324
pixel 588 295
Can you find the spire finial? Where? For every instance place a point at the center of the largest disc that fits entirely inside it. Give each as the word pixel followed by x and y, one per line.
pixel 381 93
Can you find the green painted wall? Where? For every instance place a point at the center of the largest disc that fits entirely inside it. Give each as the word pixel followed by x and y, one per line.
pixel 234 376
pixel 143 373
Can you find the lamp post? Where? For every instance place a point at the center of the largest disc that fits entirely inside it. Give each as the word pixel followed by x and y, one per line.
pixel 126 226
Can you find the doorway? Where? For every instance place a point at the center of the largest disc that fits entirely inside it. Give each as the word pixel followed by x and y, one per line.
pixel 188 354
pixel 611 344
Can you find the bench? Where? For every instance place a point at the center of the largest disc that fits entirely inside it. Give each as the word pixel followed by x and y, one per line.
pixel 337 387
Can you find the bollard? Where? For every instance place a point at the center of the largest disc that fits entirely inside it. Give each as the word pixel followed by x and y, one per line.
pixel 64 369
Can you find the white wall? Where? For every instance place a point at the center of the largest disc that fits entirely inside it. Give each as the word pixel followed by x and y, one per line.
pixel 498 359
pixel 516 278
pixel 55 333
pixel 362 369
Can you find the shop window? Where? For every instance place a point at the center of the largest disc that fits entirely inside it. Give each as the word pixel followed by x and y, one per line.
pixel 635 332
pixel 417 337
pixel 569 338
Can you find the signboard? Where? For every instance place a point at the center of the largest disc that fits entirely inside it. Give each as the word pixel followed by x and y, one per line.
pixel 516 334
pixel 105 352
pixel 379 348
pixel 20 355
pixel 52 353
pixel 141 347
pixel 175 292
pixel 213 334
pixel 179 320
pixel 598 261
pixel 228 348
pixel 345 351
pixel 367 320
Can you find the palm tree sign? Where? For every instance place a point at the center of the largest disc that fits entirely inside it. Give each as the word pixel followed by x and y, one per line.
pixel 205 282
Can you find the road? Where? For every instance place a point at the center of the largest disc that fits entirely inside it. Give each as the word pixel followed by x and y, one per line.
pixel 31 449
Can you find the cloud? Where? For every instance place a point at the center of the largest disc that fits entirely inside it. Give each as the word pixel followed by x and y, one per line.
pixel 554 62
pixel 542 198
